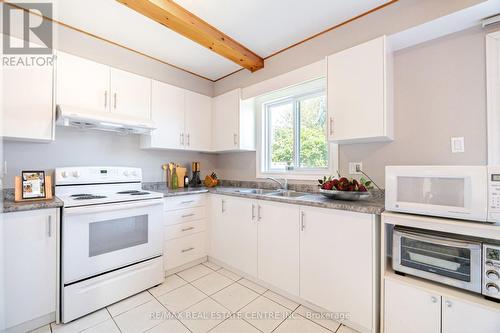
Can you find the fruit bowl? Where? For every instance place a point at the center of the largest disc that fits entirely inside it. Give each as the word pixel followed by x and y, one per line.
pixel 345 195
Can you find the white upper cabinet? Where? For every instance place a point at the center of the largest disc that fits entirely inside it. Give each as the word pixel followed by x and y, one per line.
pixel 82 83
pixel 233 123
pixel 167 112
pixel 198 121
pixel 278 245
pixel 25 118
pixel 130 94
pixel 359 94
pixel 182 119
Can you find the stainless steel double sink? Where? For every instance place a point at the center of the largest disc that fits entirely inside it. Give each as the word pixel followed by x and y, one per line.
pixel 271 193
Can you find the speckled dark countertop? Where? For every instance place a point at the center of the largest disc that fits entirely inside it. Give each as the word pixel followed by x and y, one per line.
pixel 9 205
pixel 373 205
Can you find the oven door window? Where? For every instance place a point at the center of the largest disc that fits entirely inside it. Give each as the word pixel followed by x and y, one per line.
pixel 448 261
pixel 117 234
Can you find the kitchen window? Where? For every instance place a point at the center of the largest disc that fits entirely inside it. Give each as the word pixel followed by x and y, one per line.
pixel 294 141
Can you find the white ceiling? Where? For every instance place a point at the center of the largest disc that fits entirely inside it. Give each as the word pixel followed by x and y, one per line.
pixel 263 26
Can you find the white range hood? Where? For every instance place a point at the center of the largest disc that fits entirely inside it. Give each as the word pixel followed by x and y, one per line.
pixel 105 121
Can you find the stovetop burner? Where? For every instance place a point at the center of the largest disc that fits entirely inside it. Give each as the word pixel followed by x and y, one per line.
pixel 89 197
pixel 139 193
pixel 128 192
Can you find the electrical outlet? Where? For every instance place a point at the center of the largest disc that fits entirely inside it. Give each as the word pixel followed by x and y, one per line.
pixel 457 144
pixel 355 168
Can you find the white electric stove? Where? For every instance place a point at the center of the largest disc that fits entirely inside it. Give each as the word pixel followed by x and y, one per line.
pixel 111 243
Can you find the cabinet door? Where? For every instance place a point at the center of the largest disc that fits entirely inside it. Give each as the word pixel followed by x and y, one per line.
pixel 356 93
pixel 131 94
pixel 225 127
pixel 460 316
pixel 411 310
pixel 198 121
pixel 337 261
pixel 82 83
pixel 27 118
pixel 29 242
pixel 167 112
pixel 234 233
pixel 278 245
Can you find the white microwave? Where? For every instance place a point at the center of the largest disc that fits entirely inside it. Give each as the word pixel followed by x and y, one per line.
pixel 461 192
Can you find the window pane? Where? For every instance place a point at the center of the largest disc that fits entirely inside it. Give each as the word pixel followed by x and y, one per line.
pixel 280 135
pixel 313 141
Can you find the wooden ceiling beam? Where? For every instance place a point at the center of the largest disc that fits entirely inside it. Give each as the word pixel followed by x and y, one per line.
pixel 178 19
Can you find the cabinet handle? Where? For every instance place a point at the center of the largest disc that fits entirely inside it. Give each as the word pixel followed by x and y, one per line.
pixel 235 139
pixel 259 217
pixel 448 304
pixel 434 299
pixel 188 215
pixel 105 99
pixel 181 138
pixel 49 226
pixel 188 139
pixel 222 206
pixel 114 97
pixel 253 212
pixel 331 125
pixel 187 229
pixel 302 223
pixel 188 249
pixel 186 202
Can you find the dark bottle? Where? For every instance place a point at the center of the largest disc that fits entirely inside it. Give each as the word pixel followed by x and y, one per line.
pixel 186 181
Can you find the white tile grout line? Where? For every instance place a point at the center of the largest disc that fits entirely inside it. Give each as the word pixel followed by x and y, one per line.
pixel 114 321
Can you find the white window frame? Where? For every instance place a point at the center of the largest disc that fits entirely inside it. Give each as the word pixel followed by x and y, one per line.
pixel 295 94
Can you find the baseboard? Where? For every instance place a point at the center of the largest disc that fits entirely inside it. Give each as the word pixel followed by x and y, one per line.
pixel 32 324
pixel 185 266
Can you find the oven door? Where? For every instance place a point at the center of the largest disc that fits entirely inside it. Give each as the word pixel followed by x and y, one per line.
pixel 446 191
pixel 101 238
pixel 450 261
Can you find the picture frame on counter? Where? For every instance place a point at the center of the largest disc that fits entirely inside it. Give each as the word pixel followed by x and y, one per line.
pixel 33 185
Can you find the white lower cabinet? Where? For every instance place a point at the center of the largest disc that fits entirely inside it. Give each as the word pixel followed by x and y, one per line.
pixel 338 263
pixel 233 235
pixel 411 309
pixel 278 245
pixel 30 261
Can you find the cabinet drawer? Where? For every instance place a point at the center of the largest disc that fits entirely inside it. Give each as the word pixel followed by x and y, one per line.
pixel 180 251
pixel 183 215
pixel 184 229
pixel 184 201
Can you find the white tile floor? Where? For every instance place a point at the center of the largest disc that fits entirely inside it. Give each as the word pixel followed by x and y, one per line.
pixel 204 298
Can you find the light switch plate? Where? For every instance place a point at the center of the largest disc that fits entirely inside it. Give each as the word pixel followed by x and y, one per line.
pixel 355 167
pixel 457 144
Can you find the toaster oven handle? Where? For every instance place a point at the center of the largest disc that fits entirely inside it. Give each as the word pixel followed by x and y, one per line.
pixel 111 207
pixel 438 240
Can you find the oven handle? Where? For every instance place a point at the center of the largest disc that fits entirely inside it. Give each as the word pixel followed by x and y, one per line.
pixel 439 240
pixel 111 207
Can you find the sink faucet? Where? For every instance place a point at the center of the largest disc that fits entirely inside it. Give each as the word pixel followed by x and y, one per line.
pixel 283 186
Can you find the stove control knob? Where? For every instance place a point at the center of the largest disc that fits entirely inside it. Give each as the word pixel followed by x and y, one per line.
pixel 492 288
pixel 492 275
pixel 76 174
pixel 64 174
pixel 134 173
pixel 126 173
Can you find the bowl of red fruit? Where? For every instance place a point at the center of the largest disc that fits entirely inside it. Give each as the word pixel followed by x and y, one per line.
pixel 345 189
